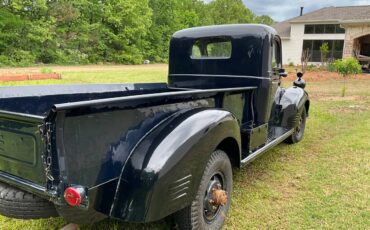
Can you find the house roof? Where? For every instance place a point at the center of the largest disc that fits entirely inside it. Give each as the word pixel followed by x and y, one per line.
pixel 283 28
pixel 343 14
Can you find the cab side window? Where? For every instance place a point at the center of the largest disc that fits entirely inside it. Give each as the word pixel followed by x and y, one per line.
pixel 212 48
pixel 275 60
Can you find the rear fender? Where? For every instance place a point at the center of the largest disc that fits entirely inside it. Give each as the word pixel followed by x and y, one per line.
pixel 291 104
pixel 164 171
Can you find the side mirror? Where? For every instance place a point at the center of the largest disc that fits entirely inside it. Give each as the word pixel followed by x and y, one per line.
pixel 282 73
pixel 299 82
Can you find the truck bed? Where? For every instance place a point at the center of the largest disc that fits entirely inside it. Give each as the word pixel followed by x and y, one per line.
pixel 93 127
pixel 38 100
pixel 24 109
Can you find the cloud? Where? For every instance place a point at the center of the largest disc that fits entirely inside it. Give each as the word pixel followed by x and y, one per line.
pixel 285 9
pixel 281 10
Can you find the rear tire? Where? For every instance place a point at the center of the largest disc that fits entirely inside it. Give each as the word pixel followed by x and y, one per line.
pixel 201 214
pixel 298 133
pixel 15 203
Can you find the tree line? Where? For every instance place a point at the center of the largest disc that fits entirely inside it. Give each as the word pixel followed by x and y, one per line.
pixel 105 31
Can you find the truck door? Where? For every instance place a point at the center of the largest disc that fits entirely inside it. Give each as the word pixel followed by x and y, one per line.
pixel 275 68
pixel 257 136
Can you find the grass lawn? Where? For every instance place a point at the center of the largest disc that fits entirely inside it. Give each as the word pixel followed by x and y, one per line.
pixel 321 183
pixel 95 74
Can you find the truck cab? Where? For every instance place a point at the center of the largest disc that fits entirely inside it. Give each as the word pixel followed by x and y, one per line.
pixel 229 56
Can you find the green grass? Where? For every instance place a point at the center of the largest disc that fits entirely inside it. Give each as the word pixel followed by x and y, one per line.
pixel 101 74
pixel 321 183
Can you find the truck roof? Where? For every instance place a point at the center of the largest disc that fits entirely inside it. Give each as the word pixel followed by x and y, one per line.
pixel 247 50
pixel 232 30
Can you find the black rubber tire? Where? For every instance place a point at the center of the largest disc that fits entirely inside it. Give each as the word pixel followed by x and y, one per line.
pixel 15 203
pixel 192 217
pixel 298 133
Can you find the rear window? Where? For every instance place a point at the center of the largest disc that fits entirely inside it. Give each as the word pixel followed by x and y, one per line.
pixel 212 48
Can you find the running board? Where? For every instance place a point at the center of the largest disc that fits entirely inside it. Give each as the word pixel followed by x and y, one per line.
pixel 271 144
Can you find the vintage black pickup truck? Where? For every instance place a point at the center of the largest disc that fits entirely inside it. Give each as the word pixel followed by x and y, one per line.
pixel 142 152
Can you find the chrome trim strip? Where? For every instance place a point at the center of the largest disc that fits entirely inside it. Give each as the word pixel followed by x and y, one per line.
pixel 23 184
pixel 263 149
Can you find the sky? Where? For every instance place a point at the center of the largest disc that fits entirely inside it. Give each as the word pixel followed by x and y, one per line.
pixel 281 10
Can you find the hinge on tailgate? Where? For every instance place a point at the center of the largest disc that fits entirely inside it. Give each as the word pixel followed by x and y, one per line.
pixel 46 135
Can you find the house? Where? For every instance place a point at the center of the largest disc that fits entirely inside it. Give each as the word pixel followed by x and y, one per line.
pixel 345 29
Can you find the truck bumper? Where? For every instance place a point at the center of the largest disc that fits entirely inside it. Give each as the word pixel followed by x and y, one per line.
pixel 25 185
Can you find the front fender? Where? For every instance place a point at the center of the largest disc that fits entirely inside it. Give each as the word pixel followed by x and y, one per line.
pixel 164 171
pixel 291 104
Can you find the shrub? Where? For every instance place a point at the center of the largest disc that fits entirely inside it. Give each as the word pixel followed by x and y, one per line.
pixel 5 61
pixel 72 57
pixel 17 58
pixel 291 64
pixel 46 70
pixel 48 56
pixel 347 67
pixel 331 67
pixel 311 67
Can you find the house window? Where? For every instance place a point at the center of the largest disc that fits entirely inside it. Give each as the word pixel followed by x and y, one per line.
pixel 335 49
pixel 323 29
pixel 309 29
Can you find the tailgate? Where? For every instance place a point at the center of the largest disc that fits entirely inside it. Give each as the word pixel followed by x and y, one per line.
pixel 21 146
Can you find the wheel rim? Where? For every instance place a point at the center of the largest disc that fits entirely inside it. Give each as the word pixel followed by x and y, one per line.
pixel 212 205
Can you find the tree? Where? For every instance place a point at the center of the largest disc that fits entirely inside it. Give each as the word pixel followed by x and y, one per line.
pixel 306 55
pixel 324 51
pixel 92 31
pixel 127 23
pixel 229 12
pixel 346 68
pixel 264 19
pixel 165 21
pixel 168 17
pixel 15 47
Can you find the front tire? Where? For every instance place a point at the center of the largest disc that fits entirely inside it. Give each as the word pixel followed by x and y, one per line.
pixel 298 133
pixel 212 202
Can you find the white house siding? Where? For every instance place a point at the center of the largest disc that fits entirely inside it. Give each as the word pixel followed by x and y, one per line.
pixel 292 47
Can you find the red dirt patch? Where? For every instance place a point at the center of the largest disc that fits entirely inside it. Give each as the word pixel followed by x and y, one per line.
pixel 31 76
pixel 313 76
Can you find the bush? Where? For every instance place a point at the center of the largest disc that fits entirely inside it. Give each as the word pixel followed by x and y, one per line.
pixel 48 56
pixel 46 70
pixel 331 67
pixel 291 64
pixel 125 58
pixel 5 61
pixel 17 58
pixel 311 67
pixel 72 57
pixel 22 58
pixel 346 68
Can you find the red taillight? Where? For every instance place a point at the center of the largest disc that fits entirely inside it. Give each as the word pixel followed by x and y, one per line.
pixel 73 195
